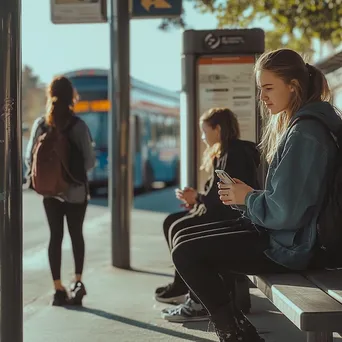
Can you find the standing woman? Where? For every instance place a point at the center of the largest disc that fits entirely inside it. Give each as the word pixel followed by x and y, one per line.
pixel 71 203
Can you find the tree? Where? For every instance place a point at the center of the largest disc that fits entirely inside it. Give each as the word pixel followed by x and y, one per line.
pixel 33 96
pixel 295 22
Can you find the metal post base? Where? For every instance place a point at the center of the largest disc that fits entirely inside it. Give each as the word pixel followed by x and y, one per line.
pixel 319 337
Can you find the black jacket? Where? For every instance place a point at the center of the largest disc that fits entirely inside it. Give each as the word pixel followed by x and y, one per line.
pixel 240 161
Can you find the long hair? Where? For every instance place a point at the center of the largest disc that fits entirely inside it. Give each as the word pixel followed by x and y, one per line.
pixel 230 130
pixel 309 84
pixel 61 97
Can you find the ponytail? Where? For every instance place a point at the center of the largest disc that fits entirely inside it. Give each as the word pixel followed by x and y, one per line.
pixel 58 114
pixel 318 88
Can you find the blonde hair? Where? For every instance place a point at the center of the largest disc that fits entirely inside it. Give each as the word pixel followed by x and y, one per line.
pixel 309 84
pixel 230 130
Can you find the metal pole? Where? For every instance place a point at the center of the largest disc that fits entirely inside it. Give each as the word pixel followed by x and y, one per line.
pixel 11 315
pixel 120 180
pixel 189 124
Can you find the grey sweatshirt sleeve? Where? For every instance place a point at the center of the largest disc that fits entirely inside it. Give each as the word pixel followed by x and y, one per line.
pixel 82 139
pixel 295 186
pixel 33 137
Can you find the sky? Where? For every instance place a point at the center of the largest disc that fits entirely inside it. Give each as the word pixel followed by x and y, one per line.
pixel 52 49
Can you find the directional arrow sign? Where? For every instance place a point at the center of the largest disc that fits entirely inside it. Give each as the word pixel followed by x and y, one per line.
pixel 156 8
pixel 157 4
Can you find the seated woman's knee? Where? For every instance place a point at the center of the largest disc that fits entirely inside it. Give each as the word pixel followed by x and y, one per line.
pixel 175 229
pixel 169 221
pixel 178 239
pixel 187 231
pixel 180 254
pixel 178 236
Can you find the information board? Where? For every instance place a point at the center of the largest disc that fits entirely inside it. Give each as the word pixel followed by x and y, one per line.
pixel 229 82
pixel 78 11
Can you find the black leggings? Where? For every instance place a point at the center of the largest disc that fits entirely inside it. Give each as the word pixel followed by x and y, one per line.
pixel 201 259
pixel 181 221
pixel 75 213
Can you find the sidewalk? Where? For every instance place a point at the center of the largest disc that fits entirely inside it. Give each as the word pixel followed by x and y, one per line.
pixel 120 305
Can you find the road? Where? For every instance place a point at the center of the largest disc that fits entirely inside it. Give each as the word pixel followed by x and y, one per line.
pixel 37 279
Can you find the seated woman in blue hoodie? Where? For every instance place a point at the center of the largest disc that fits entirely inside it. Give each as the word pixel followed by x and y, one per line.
pixel 280 225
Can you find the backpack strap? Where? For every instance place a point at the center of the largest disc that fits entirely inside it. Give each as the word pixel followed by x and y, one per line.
pixel 334 136
pixel 308 117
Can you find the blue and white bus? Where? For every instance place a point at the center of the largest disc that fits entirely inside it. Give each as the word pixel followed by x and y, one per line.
pixel 154 128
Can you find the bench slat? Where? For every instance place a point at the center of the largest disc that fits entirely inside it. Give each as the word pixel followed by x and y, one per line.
pixel 305 305
pixel 329 281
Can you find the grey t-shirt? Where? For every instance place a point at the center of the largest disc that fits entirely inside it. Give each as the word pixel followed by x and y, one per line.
pixel 79 135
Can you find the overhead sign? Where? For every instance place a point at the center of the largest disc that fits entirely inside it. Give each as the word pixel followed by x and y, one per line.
pixel 156 8
pixel 78 11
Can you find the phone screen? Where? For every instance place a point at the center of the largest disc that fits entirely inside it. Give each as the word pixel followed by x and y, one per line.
pixel 225 178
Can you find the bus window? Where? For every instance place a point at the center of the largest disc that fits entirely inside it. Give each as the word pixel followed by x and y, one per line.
pixel 98 127
pixel 153 136
pixel 91 88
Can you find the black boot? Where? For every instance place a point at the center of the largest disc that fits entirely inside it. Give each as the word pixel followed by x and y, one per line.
pixel 249 332
pixel 60 298
pixel 77 293
pixel 226 326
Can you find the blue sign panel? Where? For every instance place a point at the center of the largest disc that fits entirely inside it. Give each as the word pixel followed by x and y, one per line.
pixel 156 8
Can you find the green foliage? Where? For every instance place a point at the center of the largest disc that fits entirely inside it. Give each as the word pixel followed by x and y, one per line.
pixel 295 22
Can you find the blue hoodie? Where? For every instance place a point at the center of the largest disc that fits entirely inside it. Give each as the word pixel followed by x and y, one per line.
pixel 295 187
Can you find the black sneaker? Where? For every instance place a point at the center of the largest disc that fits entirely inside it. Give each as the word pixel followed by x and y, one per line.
pixel 77 292
pixel 60 298
pixel 170 294
pixel 190 311
pixel 162 289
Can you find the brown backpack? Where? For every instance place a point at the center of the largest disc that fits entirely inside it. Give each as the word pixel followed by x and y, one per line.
pixel 50 158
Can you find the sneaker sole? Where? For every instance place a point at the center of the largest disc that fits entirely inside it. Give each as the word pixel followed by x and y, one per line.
pixel 175 319
pixel 173 300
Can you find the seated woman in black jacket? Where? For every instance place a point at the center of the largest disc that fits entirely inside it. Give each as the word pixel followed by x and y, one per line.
pixel 225 151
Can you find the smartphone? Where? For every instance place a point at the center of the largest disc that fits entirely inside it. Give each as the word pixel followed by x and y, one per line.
pixel 225 178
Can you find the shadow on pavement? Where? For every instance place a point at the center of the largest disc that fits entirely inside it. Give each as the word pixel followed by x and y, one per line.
pixel 135 323
pixel 152 273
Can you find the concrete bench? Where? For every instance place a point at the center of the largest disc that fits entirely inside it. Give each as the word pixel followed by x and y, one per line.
pixel 311 301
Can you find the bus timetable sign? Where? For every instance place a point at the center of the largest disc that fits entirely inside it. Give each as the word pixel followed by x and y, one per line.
pixel 155 8
pixel 78 11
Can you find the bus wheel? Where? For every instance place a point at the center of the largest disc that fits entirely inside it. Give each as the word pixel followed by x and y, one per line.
pixel 148 177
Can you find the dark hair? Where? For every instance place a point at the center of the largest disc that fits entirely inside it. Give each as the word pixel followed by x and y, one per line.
pixel 308 82
pixel 230 130
pixel 61 99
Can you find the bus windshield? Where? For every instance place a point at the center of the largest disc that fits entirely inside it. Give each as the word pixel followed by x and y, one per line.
pixel 98 126
pixel 91 88
pixel 93 104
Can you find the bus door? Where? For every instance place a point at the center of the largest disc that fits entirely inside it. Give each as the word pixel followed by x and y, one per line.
pixel 136 144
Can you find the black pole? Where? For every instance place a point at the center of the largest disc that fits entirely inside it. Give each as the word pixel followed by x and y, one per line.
pixel 11 320
pixel 120 180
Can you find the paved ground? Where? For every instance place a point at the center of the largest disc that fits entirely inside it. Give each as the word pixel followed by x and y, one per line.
pixel 120 305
